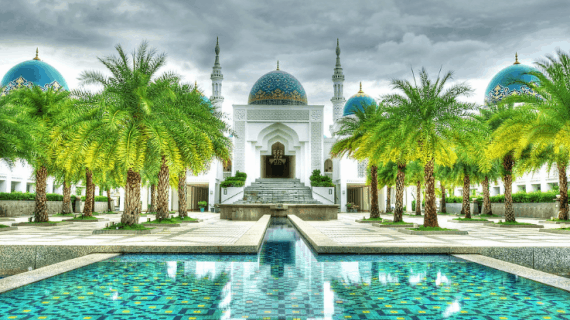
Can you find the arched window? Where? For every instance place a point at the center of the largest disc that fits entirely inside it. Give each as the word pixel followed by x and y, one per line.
pixel 328 165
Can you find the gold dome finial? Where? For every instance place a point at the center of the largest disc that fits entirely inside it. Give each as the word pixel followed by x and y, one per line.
pixel 360 91
pixel 277 64
pixel 195 84
pixel 37 58
pixel 516 58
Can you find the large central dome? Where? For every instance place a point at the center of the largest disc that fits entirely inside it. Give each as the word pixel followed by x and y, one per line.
pixel 508 82
pixel 277 88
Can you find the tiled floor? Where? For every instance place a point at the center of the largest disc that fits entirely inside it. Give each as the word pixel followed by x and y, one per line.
pixel 212 231
pixel 346 231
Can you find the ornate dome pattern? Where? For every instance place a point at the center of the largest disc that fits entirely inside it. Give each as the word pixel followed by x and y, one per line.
pixel 357 101
pixel 32 72
pixel 504 83
pixel 277 88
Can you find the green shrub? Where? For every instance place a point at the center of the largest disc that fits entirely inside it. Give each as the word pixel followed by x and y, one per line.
pixel 29 196
pixel 413 205
pixel 202 204
pixel 97 198
pixel 236 181
pixel 319 180
pixel 454 199
pixel 531 197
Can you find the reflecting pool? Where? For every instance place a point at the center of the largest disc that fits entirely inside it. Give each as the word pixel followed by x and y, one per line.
pixel 286 280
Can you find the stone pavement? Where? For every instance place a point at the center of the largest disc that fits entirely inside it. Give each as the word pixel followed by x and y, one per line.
pixel 346 231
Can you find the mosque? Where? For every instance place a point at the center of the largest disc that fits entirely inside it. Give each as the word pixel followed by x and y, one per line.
pixel 279 136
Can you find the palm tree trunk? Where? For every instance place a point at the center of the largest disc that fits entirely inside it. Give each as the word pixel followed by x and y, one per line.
pixel 486 198
pixel 109 202
pixel 419 198
pixel 93 199
pixel 182 203
pixel 89 194
pixel 66 206
pixel 163 177
pixel 388 199
pixel 41 212
pixel 132 201
pixel 430 217
pixel 563 183
pixel 443 208
pixel 400 177
pixel 374 209
pixel 152 198
pixel 466 208
pixel 508 163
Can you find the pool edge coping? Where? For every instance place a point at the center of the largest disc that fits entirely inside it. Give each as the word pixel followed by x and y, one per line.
pixel 518 270
pixel 29 277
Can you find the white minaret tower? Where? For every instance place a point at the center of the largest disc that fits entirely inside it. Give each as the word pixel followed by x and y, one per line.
pixel 338 100
pixel 217 99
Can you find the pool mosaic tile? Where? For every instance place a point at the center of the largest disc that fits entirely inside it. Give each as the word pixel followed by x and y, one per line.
pixel 285 281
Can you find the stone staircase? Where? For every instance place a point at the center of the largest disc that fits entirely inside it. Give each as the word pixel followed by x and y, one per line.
pixel 290 191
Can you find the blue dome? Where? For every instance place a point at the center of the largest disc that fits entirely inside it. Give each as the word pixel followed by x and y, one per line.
pixel 357 101
pixel 502 84
pixel 277 88
pixel 32 72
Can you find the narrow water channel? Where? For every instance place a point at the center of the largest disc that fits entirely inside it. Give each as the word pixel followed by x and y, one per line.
pixel 286 280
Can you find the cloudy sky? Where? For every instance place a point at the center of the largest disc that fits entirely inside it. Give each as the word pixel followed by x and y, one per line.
pixel 380 40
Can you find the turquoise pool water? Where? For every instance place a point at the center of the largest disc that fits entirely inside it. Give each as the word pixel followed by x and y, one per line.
pixel 285 281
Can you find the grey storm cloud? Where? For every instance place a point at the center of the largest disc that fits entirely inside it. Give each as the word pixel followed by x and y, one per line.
pixel 380 40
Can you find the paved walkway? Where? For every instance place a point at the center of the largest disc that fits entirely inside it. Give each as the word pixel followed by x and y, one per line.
pixel 211 232
pixel 345 231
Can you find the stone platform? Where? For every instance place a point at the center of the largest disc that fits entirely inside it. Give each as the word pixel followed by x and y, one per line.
pixel 252 212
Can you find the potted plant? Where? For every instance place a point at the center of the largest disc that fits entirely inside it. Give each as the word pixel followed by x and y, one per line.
pixel 202 205
pixel 217 208
pixel 349 207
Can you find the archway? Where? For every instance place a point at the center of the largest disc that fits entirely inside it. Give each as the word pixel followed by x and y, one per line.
pixel 278 165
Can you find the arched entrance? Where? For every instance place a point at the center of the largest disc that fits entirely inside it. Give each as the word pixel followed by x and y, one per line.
pixel 278 165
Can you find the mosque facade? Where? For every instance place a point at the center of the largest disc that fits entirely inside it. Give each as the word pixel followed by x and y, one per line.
pixel 278 135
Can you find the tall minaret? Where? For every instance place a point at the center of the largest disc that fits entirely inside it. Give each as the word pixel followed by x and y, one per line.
pixel 217 99
pixel 338 84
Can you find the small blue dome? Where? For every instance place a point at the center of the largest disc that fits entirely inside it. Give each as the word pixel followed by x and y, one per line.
pixel 357 101
pixel 277 88
pixel 503 83
pixel 32 72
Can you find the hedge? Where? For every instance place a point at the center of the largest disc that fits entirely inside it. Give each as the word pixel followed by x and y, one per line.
pixel 236 181
pixel 97 198
pixel 518 197
pixel 318 180
pixel 31 196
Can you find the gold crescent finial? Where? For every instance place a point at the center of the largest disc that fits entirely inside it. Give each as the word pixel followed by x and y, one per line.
pixel 36 58
pixel 277 64
pixel 360 91
pixel 516 58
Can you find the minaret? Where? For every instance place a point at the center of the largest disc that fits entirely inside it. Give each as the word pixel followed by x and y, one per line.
pixel 338 84
pixel 217 99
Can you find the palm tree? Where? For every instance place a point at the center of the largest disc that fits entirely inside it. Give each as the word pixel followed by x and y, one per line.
pixel 443 174
pixel 547 119
pixel 424 119
pixel 352 131
pixel 13 137
pixel 386 177
pixel 414 176
pixel 120 125
pixel 465 171
pixel 37 111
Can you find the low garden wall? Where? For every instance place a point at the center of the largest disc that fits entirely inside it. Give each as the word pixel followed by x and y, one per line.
pixel 455 208
pixel 541 210
pixel 14 208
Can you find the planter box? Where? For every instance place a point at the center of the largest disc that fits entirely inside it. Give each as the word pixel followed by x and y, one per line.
pixel 195 221
pixel 7 219
pixel 162 225
pixel 8 229
pixel 232 194
pixel 40 224
pixel 515 225
pixel 469 221
pixel 455 208
pixel 323 194
pixel 86 220
pixel 427 233
pixel 555 222
pixel 368 221
pixel 555 231
pixel 407 225
pixel 14 208
pixel 155 230
pixel 542 210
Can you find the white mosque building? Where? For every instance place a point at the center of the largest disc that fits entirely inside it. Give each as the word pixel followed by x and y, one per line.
pixel 277 120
